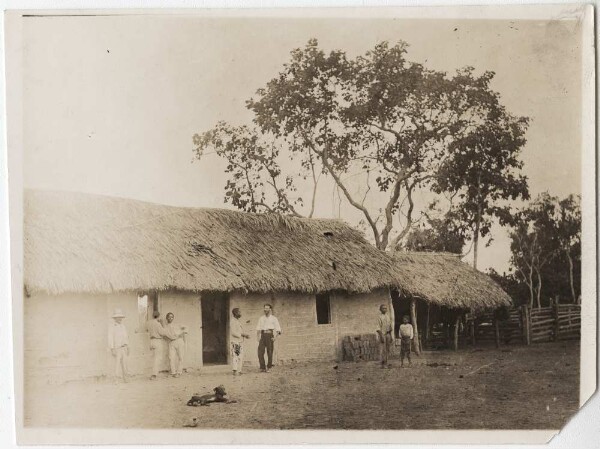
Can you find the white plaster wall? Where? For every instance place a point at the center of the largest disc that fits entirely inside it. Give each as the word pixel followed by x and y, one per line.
pixel 66 336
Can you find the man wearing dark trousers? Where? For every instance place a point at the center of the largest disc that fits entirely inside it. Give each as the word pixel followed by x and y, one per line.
pixel 266 331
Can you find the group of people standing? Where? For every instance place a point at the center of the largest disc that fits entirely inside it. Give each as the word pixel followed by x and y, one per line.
pixel 160 333
pixel 385 335
pixel 267 330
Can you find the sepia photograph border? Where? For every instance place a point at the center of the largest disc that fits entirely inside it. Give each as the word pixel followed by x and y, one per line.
pixel 13 74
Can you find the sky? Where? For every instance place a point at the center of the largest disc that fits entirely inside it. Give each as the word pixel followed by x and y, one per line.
pixel 110 104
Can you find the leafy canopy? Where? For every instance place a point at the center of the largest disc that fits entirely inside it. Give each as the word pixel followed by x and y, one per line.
pixel 393 124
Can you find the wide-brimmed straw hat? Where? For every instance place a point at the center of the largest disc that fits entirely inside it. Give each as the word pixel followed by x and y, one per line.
pixel 118 314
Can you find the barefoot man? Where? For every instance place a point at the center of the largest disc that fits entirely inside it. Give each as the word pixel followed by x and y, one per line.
pixel 237 342
pixel 175 334
pixel 407 333
pixel 384 334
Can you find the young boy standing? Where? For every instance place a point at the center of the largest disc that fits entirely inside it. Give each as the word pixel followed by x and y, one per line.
pixel 406 336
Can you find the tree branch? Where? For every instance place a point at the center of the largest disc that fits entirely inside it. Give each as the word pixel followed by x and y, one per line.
pixel 338 181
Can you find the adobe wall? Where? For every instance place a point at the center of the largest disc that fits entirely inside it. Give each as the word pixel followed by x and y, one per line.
pixel 302 338
pixel 66 336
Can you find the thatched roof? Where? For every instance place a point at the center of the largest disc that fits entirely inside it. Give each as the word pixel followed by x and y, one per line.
pixel 443 279
pixel 90 243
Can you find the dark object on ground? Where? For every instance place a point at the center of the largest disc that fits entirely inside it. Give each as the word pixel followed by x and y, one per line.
pixel 218 396
pixel 335 367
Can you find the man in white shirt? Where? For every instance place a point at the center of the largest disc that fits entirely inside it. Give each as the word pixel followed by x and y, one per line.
pixel 237 336
pixel 407 333
pixel 118 342
pixel 266 331
pixel 384 333
pixel 175 335
pixel 157 335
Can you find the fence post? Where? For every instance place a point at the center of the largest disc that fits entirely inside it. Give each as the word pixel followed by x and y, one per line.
pixel 526 324
pixel 456 326
pixel 556 324
pixel 413 318
pixel 427 322
pixel 497 331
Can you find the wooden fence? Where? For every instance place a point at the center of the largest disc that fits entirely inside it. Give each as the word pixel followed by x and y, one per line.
pixel 560 322
pixel 524 325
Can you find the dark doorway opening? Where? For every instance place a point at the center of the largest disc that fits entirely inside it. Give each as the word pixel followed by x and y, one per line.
pixel 215 307
pixel 401 308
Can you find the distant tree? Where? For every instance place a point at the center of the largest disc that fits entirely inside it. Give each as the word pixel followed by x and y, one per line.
pixel 439 234
pixel 484 171
pixel 379 118
pixel 545 244
pixel 568 223
pixel 512 285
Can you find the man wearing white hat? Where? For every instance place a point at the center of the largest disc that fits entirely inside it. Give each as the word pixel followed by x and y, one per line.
pixel 118 342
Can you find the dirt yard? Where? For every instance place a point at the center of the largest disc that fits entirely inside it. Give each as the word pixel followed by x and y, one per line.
pixel 517 387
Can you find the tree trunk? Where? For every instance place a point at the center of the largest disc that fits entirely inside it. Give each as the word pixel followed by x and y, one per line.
pixel 531 290
pixel 413 318
pixel 477 221
pixel 571 282
pixel 539 289
pixel 392 313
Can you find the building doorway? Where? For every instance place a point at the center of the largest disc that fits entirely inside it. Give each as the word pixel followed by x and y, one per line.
pixel 215 307
pixel 401 308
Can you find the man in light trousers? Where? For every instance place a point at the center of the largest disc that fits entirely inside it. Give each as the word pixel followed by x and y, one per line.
pixel 237 336
pixel 158 335
pixel 176 345
pixel 118 342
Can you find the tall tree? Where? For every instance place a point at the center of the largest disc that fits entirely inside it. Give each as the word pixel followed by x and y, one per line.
pixel 484 171
pixel 379 118
pixel 568 228
pixel 545 242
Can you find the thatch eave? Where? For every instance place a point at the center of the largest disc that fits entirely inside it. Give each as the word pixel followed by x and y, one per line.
pixel 78 243
pixel 444 280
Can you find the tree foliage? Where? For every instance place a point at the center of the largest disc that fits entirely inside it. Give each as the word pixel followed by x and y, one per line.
pixel 439 235
pixel 484 172
pixel 546 247
pixel 399 125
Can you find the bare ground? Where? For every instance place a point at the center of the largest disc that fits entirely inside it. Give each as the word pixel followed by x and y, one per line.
pixel 516 387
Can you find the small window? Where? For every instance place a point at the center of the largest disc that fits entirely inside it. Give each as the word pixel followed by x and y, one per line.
pixel 323 309
pixel 142 307
pixel 147 303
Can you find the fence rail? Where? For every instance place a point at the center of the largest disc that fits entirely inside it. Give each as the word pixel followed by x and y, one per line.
pixel 558 322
